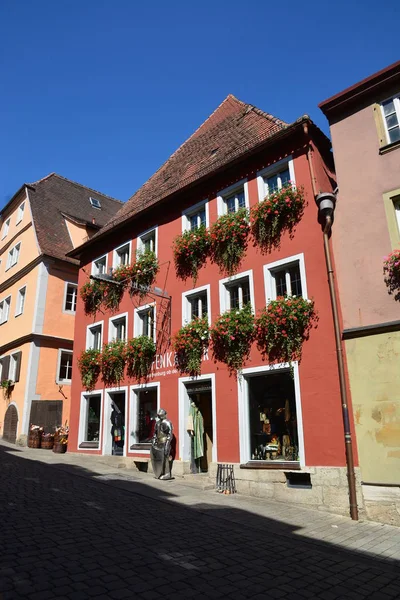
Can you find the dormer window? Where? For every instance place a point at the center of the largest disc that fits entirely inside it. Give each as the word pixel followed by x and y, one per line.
pixel 95 202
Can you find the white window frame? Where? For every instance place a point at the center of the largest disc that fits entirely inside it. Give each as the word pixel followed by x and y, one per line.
pixel 111 326
pixel 20 213
pixel 186 307
pixel 396 102
pixel 18 310
pixel 244 413
pixel 142 238
pixel 196 208
pixel 5 301
pixel 137 320
pixel 116 262
pixel 75 285
pixel 83 418
pixel 6 228
pixel 95 270
pixel 224 298
pixel 270 172
pixel 133 411
pixel 60 381
pixel 89 334
pixel 10 258
pixel 269 280
pixel 107 411
pixel 94 202
pixel 223 194
pixel 13 365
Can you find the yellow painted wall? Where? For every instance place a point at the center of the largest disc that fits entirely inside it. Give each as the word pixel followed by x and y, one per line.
pixel 18 392
pixel 46 385
pixel 77 233
pixel 374 372
pixel 12 214
pixel 20 325
pixel 28 252
pixel 57 322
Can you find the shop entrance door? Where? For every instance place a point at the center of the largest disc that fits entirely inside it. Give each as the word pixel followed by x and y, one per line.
pixel 117 423
pixel 200 418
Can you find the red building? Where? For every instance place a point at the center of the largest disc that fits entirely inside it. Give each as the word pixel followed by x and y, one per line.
pixel 237 157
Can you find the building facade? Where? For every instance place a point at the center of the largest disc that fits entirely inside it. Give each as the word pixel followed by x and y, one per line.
pixel 235 159
pixel 38 293
pixel 364 122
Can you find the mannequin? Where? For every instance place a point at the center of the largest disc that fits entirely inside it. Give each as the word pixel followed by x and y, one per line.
pixel 117 430
pixel 195 429
pixel 160 451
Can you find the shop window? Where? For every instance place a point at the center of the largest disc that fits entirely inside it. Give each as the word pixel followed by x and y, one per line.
pixel 285 278
pixel 5 310
pixel 273 432
pixel 196 304
pixel 117 328
pixel 99 266
pixel 145 321
pixel 237 291
pixel 6 227
pixel 20 214
pixel 94 336
pixel 71 292
pixel 195 217
pixel 20 301
pixel 147 242
pixel 65 366
pixel 13 256
pixel 122 255
pixel 145 408
pixel 90 415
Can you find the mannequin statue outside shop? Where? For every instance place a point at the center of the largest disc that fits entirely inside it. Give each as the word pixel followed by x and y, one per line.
pixel 160 451
pixel 195 428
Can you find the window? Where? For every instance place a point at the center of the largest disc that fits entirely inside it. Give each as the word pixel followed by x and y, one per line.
pixel 95 202
pixel 143 414
pixel 195 304
pixel 20 214
pixel 99 266
pixel 6 227
pixel 65 366
pixel 195 217
pixel 15 366
pixel 285 278
pixel 147 242
pixel 233 198
pixel 5 310
pixel 237 291
pixel 20 301
pixel 274 178
pixel 90 420
pixel 13 256
pixel 70 297
pixel 391 118
pixel 145 321
pixel 94 336
pixel 122 255
pixel 117 328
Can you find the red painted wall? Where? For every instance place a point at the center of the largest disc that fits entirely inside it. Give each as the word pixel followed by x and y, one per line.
pixel 319 386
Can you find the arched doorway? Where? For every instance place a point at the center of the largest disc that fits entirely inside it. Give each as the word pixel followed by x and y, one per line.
pixel 10 424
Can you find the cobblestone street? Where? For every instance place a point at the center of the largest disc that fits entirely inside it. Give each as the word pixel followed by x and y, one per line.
pixel 68 533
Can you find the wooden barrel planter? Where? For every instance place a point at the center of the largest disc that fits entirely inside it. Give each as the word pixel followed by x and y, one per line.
pixel 47 442
pixel 34 440
pixel 59 448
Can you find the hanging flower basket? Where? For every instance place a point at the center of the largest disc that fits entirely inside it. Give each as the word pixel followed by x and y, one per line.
pixel 190 343
pixel 391 271
pixel 229 239
pixel 89 367
pixel 113 292
pixel 279 212
pixel 112 362
pixel 92 294
pixel 7 386
pixel 232 336
pixel 191 250
pixel 283 326
pixel 140 354
pixel 144 271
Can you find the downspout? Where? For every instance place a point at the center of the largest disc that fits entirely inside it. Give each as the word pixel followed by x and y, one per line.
pixel 326 205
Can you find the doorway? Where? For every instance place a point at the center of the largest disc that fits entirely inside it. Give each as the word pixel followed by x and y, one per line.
pixel 200 426
pixel 117 423
pixel 10 424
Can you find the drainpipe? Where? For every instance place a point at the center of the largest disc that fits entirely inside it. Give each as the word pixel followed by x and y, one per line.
pixel 326 206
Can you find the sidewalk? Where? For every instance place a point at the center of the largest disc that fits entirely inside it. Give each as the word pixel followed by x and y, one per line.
pixel 364 537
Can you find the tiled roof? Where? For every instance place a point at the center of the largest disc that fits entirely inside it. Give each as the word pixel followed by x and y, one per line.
pixel 233 129
pixel 55 196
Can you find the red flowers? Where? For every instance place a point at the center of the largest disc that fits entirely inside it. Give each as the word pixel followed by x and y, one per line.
pixel 191 250
pixel 190 344
pixel 232 336
pixel 391 270
pixel 229 239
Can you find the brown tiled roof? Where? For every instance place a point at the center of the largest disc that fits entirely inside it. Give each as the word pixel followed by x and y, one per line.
pixel 233 129
pixel 55 196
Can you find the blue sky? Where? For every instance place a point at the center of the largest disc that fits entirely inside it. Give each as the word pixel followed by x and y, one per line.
pixel 103 91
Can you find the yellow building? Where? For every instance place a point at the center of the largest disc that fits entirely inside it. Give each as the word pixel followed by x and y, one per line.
pixel 38 294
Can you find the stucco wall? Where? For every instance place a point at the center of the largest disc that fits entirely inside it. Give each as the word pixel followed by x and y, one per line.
pixel 56 321
pixel 361 233
pixel 20 325
pixel 18 392
pixel 46 386
pixel 77 233
pixel 373 364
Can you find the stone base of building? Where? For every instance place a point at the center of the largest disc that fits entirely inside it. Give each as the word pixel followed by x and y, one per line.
pixel 382 503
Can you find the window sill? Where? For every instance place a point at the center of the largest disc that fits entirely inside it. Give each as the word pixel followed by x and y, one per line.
pixel 389 147
pixel 278 464
pixel 93 445
pixel 144 446
pixel 64 381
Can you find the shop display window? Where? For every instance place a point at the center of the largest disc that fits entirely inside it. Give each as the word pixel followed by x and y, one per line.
pixel 272 418
pixel 92 430
pixel 146 415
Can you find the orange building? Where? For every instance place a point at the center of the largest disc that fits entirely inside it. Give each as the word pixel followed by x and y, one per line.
pixel 38 292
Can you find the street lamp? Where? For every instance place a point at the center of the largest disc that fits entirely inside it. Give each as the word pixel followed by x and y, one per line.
pixel 326 203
